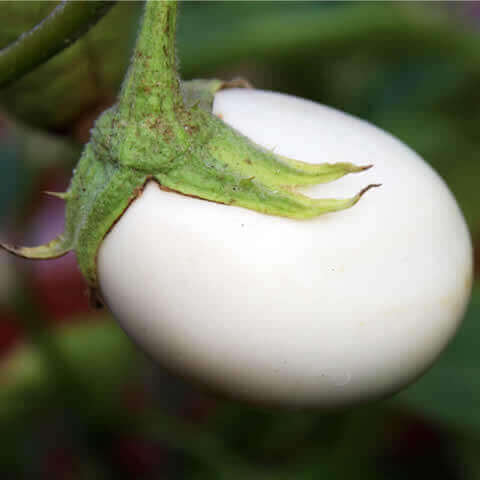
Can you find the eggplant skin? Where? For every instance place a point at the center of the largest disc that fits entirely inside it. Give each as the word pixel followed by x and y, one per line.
pixel 325 312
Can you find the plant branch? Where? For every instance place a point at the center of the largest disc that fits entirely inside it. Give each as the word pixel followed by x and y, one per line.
pixel 152 84
pixel 65 24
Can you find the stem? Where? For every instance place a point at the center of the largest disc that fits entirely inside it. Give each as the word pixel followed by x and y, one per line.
pixel 151 86
pixel 65 24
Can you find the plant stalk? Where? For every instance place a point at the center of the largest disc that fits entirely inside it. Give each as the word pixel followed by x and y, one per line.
pixel 152 83
pixel 65 24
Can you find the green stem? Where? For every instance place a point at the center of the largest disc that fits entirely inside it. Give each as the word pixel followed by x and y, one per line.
pixel 152 85
pixel 65 24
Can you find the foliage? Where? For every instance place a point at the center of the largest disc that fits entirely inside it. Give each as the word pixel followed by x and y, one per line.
pixel 88 73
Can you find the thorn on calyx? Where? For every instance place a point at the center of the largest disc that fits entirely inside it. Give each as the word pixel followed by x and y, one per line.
pixel 368 187
pixel 60 195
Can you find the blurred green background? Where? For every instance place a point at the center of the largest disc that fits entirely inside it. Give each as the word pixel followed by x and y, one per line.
pixel 78 400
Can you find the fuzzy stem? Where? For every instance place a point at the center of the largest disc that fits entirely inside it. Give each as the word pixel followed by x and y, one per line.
pixel 65 24
pixel 151 86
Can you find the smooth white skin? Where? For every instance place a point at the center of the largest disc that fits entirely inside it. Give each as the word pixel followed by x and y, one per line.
pixel 326 312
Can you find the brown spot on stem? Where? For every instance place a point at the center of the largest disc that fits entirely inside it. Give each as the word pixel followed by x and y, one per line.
pixel 167 24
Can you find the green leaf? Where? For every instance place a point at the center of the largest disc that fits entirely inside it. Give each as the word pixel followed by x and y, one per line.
pixel 68 22
pixel 219 34
pixel 98 353
pixel 79 80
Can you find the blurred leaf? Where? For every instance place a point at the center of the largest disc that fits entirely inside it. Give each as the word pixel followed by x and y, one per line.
pixel 25 155
pixel 23 18
pixel 40 150
pixel 467 449
pixel 221 33
pixel 80 79
pixel 17 175
pixel 62 27
pixel 98 353
pixel 349 449
pixel 450 391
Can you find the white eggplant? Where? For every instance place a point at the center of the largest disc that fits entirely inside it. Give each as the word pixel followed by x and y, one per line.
pixel 325 312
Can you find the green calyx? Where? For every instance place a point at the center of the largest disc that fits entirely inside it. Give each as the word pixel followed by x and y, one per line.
pixel 164 131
